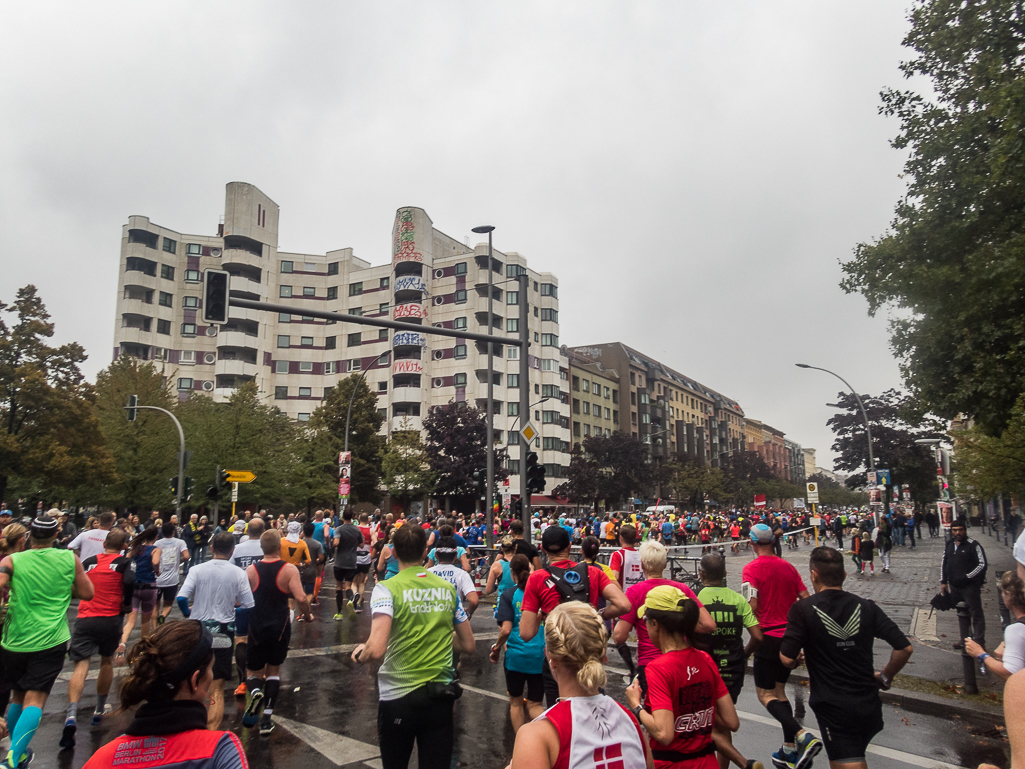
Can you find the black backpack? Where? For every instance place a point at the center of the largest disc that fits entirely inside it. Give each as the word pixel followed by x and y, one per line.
pixel 573 584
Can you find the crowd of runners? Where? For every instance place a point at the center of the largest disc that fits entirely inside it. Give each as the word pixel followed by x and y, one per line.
pixel 555 617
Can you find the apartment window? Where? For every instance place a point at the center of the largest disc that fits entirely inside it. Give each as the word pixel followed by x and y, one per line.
pixel 644 399
pixel 355 289
pixel 547 313
pixel 512 297
pixel 459 323
pixel 551 391
pixel 163 326
pixel 384 283
pixel 188 329
pixel 513 380
pixel 536 337
pixel 306 366
pixel 576 384
pixel 192 276
pixel 280 393
pixel 304 417
pixel 191 302
pixel 170 246
pixel 645 419
pixel 459 380
pixel 550 417
pixel 281 367
pixel 615 417
pixel 357 311
pixel 587 408
pixel 549 365
pixel 306 341
pixel 514 270
pixel 549 289
pixel 284 317
pixel 513 409
pixel 167 271
pixel 513 465
pixel 330 342
pixel 284 341
pixel 383 413
pixel 608 413
pixel 460 268
pixel 382 387
pixel 285 291
pixel 576 406
pixel 329 367
pixel 595 388
pixel 305 392
pixel 332 269
pixel 633 379
pixel 356 364
pixel 184 383
pixel 382 308
pixel 354 340
pixel 633 419
pixel 309 291
pixel 633 399
pixel 382 334
pixel 608 392
pixel 332 292
pixel 512 353
pixel 512 325
pixel 187 357
pixel 194 249
pixel 286 266
pixel 165 299
pixel 576 429
pixel 459 351
pixel 535 312
pixel 586 384
pixel 549 340
pixel 460 296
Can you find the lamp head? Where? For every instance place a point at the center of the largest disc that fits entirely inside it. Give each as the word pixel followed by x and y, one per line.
pixel 482 229
pixel 802 365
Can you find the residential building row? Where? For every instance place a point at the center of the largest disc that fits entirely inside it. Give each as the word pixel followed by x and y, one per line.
pixel 431 279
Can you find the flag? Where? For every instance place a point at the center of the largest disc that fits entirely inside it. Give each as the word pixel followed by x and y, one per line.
pixel 759 500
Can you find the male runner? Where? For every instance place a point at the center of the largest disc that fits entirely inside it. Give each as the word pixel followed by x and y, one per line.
pixel 98 628
pixel 272 581
pixel 173 552
pixel 217 586
pixel 309 573
pixel 90 542
pixel 244 555
pixel 771 586
pixel 626 562
pixel 348 539
pixel 43 580
pixel 522 546
pixel 836 630
pixel 364 559
pixel 446 569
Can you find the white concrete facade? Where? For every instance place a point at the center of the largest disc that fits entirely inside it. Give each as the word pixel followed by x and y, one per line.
pixel 431 278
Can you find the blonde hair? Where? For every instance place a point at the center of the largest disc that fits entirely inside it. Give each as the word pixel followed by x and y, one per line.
pixel 508 544
pixel 653 557
pixel 575 635
pixel 12 534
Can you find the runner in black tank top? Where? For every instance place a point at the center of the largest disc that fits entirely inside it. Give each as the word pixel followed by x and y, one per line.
pixel 270 628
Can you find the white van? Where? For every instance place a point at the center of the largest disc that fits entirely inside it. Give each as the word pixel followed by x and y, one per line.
pixel 660 510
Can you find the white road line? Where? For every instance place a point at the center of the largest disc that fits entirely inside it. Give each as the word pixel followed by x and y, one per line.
pixel 336 748
pixel 485 692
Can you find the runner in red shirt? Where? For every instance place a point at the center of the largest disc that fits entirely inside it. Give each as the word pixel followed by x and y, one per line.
pixel 685 694
pixel 625 563
pixel 772 585
pixel 564 580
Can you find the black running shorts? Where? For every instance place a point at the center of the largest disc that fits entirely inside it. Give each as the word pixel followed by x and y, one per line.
pixel 515 682
pixel 95 635
pixel 33 671
pixel 267 648
pixel 846 735
pixel 769 671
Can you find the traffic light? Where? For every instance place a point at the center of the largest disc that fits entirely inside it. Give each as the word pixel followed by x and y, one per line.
pixel 215 296
pixel 222 478
pixel 187 491
pixel 479 481
pixel 133 401
pixel 213 492
pixel 173 485
pixel 517 508
pixel 535 474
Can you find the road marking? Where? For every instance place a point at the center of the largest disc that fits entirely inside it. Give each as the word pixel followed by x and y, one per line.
pixel 336 748
pixel 485 692
pixel 879 750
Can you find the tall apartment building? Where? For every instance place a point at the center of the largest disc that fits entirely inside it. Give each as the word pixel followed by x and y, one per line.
pixel 294 359
pixel 594 398
pixel 795 462
pixel 666 409
pixel 809 462
pixel 770 445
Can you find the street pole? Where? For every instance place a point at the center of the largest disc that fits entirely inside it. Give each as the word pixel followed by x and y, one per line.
pixel 217 500
pixel 524 286
pixel 181 456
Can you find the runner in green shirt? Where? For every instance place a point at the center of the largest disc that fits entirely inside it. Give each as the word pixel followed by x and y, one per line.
pixel 414 614
pixel 726 644
pixel 43 580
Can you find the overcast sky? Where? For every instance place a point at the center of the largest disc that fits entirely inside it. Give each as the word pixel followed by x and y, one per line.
pixel 693 172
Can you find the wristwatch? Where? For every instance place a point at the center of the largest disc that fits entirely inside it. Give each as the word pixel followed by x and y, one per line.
pixel 637 712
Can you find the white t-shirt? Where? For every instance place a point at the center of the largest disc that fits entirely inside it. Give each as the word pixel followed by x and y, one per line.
pixel 1014 647
pixel 216 588
pixel 89 543
pixel 247 553
pixel 462 581
pixel 170 559
pixel 1019 549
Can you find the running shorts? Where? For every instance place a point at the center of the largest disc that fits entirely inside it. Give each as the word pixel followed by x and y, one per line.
pixel 267 648
pixel 362 568
pixel 769 671
pixel 344 575
pixel 144 599
pixel 95 635
pixel 534 683
pixel 308 587
pixel 846 735
pixel 33 671
pixel 168 594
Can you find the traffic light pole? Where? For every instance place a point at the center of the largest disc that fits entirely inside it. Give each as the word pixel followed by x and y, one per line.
pixel 181 456
pixel 524 401
pixel 490 490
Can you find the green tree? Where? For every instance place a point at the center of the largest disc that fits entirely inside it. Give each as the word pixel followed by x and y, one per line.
pixel 833 494
pixel 51 445
pixel 693 481
pixel 953 260
pixel 608 469
pixel 407 472
pixel 455 439
pixel 145 451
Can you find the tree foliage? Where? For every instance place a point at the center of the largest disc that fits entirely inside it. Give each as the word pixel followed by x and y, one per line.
pixel 406 465
pixel 694 481
pixel 610 469
pixel 835 494
pixel 987 466
pixel 456 446
pixel 51 445
pixel 953 259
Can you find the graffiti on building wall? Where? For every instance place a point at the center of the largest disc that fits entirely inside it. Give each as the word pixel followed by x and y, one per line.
pixel 592 352
pixel 409 337
pixel 405 239
pixel 407 367
pixel 411 283
pixel 410 310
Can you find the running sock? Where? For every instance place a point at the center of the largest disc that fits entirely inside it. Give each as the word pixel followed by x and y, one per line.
pixel 271 694
pixel 240 660
pixel 72 711
pixel 339 600
pixel 348 595
pixel 101 702
pixel 782 712
pixel 253 684
pixel 24 731
pixel 316 588
pixel 13 715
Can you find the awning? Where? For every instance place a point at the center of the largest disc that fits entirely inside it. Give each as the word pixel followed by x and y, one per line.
pixel 539 500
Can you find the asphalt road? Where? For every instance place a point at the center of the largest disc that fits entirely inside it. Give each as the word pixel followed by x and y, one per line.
pixel 326 714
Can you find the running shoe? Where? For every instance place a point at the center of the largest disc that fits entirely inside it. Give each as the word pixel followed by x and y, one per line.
pixel 315 602
pixel 350 609
pixel 240 690
pixel 784 758
pixel 251 715
pixel 808 746
pixel 752 764
pixel 10 763
pixel 266 726
pixel 339 618
pixel 68 735
pixel 161 619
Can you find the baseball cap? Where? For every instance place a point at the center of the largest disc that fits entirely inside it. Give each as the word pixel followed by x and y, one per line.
pixel 761 534
pixel 663 598
pixel 555 539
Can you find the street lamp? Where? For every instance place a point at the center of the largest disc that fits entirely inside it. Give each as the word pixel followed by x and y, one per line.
pixel 491 394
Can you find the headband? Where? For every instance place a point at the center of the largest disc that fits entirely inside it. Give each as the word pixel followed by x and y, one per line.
pixel 192 661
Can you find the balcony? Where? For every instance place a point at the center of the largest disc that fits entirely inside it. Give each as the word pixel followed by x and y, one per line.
pixel 239 313
pixel 238 339
pixel 406 423
pixel 238 257
pixel 137 307
pixel 236 368
pixel 221 394
pixel 244 287
pixel 406 395
pixel 135 335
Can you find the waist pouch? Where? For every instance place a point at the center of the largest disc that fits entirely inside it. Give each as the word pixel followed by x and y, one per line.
pixel 437 690
pixel 676 755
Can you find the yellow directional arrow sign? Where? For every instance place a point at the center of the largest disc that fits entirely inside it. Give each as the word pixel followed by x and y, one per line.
pixel 240 476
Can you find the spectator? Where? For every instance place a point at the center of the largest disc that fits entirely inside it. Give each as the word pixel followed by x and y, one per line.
pixel 962 574
pixel 1009 657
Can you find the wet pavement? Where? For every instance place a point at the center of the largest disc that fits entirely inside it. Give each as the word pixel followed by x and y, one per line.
pixel 326 713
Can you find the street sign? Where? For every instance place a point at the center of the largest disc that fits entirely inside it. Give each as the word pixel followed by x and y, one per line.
pixel 883 477
pixel 528 432
pixel 815 521
pixel 234 491
pixel 240 476
pixel 798 503
pixel 812 492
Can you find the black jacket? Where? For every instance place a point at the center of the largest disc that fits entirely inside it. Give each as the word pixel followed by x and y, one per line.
pixel 963 564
